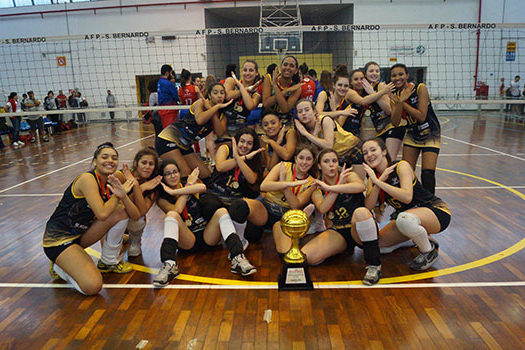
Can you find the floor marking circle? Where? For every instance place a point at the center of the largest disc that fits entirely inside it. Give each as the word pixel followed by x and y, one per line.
pixel 388 280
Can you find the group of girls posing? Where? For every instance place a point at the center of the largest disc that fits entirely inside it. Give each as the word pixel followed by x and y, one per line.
pixel 257 179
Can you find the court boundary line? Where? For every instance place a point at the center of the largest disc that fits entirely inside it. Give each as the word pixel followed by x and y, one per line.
pixel 317 285
pixel 483 147
pixel 67 166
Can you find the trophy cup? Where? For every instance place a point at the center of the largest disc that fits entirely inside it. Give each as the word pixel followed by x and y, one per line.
pixel 294 276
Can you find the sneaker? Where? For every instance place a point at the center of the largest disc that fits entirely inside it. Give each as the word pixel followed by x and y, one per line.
pixel 15 145
pixel 32 140
pixel 424 260
pixel 52 272
pixel 121 267
pixel 167 273
pixel 135 246
pixel 372 276
pixel 242 266
pixel 45 138
pixel 20 143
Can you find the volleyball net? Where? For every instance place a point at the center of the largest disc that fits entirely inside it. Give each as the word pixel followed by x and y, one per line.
pixel 461 63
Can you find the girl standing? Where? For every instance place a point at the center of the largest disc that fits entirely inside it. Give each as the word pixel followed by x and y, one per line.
pixel 412 103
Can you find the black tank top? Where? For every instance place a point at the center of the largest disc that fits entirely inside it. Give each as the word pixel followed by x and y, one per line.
pixel 417 130
pixel 420 196
pixel 73 214
pixel 341 212
pixel 192 213
pixel 230 184
pixel 379 118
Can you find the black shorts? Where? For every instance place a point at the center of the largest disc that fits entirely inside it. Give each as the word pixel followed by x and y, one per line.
pixel 275 212
pixel 396 133
pixel 442 213
pixel 52 253
pixel 425 149
pixel 164 146
pixel 346 233
pixel 200 245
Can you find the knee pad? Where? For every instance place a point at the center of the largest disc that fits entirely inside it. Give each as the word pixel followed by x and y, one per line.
pixel 239 210
pixel 209 205
pixel 253 233
pixel 408 224
pixel 137 225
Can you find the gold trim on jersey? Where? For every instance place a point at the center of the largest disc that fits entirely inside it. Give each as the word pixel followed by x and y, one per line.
pixel 49 243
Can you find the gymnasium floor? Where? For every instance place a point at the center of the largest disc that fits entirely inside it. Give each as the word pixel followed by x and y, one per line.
pixel 473 298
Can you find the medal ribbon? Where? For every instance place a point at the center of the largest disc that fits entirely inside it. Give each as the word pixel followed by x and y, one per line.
pixel 103 189
pixel 185 210
pixel 294 191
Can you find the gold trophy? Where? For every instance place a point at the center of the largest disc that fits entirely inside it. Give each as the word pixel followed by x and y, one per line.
pixel 295 224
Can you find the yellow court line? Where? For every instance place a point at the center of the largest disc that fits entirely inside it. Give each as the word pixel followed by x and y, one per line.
pixel 406 278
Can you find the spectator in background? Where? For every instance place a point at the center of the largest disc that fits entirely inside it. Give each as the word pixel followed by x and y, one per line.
pixel 154 101
pixel 502 87
pixel 73 103
pixel 32 105
pixel 112 103
pixel 83 104
pixel 23 102
pixel 199 82
pixel 61 103
pixel 167 95
pixel 13 106
pixel 514 91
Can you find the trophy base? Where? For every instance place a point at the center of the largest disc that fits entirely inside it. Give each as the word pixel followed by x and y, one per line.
pixel 295 277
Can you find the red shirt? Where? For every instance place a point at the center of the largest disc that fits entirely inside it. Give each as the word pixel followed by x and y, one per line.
pixel 308 89
pixel 62 101
pixel 187 94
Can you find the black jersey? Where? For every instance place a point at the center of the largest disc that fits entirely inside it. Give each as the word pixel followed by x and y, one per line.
pixel 379 118
pixel 185 131
pixel 237 114
pixel 73 215
pixel 230 184
pixel 421 131
pixel 192 213
pixel 421 197
pixel 341 212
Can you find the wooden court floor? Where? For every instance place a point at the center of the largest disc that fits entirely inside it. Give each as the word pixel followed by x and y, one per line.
pixel 474 297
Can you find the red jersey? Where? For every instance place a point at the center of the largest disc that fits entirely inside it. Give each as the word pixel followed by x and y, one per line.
pixel 187 94
pixel 308 89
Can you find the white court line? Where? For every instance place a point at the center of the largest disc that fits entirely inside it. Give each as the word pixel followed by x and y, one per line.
pixel 437 188
pixel 468 154
pixel 274 286
pixel 478 188
pixel 483 147
pixel 67 166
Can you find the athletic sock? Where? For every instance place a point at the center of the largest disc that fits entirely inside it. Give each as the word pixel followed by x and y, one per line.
pixel 112 243
pixel 232 240
pixel 367 232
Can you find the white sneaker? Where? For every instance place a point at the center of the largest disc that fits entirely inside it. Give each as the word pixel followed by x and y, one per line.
pixel 242 266
pixel 20 143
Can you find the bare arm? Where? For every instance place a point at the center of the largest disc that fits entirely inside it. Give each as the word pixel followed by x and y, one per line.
pixel 404 192
pixel 327 141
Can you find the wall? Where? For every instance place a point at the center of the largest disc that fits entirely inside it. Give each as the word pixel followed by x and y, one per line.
pixel 96 65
